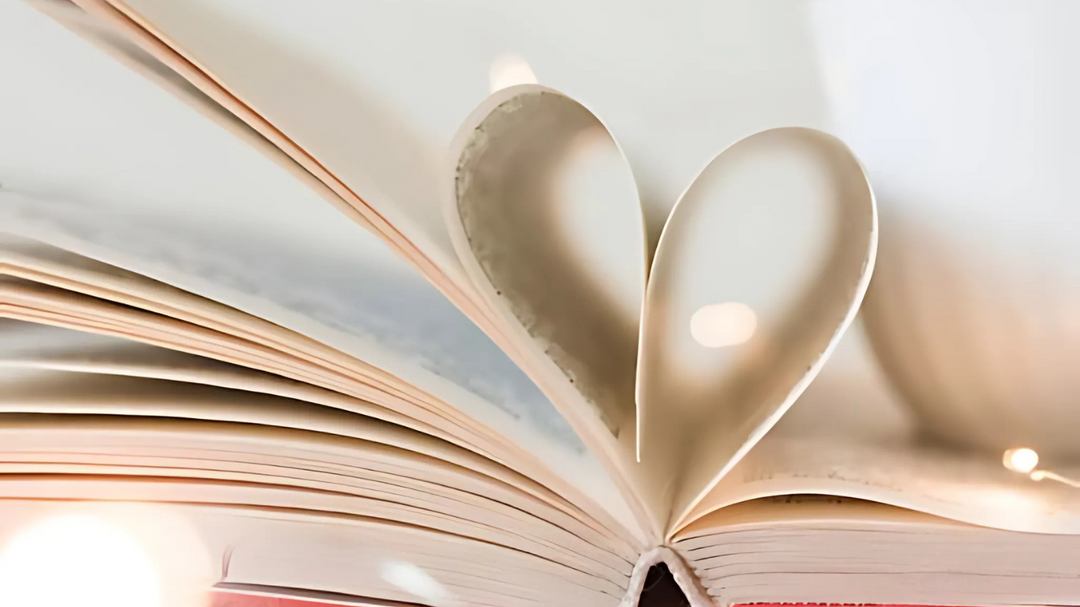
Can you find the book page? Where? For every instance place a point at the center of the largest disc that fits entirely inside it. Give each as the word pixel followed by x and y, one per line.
pixel 228 538
pixel 27 345
pixel 547 224
pixel 760 269
pixel 850 436
pixel 107 404
pixel 295 467
pixel 368 307
pixel 343 133
pixel 355 319
pixel 547 221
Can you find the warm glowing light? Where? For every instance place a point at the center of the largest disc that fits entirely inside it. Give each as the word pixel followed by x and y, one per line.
pixel 1021 459
pixel 725 324
pixel 508 70
pixel 1024 460
pixel 416 582
pixel 77 560
pixel 1039 475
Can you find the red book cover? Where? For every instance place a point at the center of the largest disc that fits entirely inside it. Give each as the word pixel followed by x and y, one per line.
pixel 282 597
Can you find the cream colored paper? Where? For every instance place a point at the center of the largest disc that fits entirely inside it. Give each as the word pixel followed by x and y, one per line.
pixel 784 221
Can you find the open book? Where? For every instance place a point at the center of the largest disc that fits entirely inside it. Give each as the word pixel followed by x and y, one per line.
pixel 501 393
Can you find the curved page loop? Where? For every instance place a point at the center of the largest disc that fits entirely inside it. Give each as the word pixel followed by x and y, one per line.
pixel 760 268
pixel 547 222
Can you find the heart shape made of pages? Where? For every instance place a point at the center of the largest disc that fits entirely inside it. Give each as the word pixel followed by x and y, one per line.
pixel 685 364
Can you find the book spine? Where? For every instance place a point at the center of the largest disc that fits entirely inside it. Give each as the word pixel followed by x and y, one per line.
pixel 686 579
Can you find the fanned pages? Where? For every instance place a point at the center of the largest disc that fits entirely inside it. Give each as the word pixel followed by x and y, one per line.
pixel 445 274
